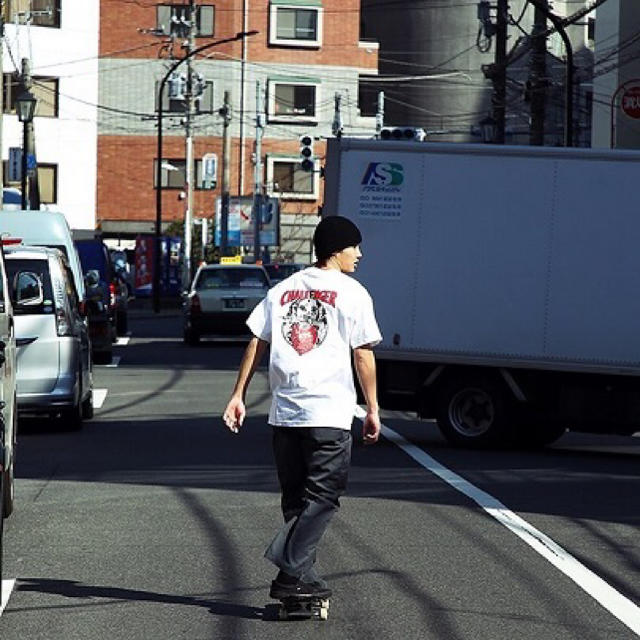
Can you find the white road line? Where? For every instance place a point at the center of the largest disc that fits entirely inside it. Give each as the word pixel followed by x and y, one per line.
pixel 622 608
pixel 99 396
pixel 7 588
pixel 122 341
pixel 115 361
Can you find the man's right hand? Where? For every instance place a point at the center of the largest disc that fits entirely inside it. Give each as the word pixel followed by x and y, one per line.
pixel 234 414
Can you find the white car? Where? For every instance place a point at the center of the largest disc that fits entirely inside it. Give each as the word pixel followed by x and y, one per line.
pixel 221 298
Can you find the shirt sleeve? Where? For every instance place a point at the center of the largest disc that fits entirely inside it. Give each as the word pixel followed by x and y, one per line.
pixel 365 328
pixel 259 322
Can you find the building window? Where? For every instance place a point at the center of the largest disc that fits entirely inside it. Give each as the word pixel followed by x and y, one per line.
pixel 40 13
pixel 368 90
pixel 293 101
pixel 295 25
pixel 174 173
pixel 47 181
pixel 173 20
pixel 287 179
pixel 44 89
pixel 204 103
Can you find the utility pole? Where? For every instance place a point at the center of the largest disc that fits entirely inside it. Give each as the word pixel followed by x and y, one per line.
pixel 537 82
pixel 257 185
pixel 380 113
pixel 28 145
pixel 499 99
pixel 225 112
pixel 2 5
pixel 336 126
pixel 189 163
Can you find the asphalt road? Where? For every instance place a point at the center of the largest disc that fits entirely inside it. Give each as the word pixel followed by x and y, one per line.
pixel 151 522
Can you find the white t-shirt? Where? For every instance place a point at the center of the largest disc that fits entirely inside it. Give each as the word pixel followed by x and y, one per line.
pixel 313 319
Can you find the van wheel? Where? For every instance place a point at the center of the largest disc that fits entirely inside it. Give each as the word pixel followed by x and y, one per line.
pixel 87 407
pixel 8 478
pixel 473 411
pixel 72 418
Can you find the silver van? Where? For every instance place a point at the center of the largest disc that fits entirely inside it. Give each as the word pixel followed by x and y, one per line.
pixel 44 229
pixel 55 375
pixel 8 407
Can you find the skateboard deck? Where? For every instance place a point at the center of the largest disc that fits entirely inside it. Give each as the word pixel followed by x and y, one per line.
pixel 300 608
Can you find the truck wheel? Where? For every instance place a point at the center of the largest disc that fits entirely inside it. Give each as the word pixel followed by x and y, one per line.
pixel 472 412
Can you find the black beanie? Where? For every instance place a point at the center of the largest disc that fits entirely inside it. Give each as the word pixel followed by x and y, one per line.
pixel 333 234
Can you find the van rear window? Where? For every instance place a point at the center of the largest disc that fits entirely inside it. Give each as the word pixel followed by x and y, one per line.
pixel 41 269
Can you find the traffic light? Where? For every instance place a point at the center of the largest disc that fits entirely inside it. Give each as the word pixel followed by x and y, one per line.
pixel 306 153
pixel 403 133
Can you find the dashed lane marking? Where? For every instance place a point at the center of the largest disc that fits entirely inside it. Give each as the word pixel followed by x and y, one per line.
pixel 7 588
pixel 621 607
pixel 115 361
pixel 99 396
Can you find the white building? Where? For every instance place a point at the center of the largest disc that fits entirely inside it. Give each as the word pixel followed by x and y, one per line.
pixel 60 38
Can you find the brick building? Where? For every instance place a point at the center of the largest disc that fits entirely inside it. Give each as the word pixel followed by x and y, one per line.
pixel 306 53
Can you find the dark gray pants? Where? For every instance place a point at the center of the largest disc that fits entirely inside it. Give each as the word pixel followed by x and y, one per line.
pixel 313 466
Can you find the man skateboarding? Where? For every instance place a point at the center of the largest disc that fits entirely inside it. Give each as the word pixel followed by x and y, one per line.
pixel 313 321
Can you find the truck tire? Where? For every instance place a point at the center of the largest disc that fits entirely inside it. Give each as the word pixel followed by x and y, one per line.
pixel 473 411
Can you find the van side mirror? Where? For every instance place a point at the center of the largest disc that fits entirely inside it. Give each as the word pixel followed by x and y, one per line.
pixel 28 289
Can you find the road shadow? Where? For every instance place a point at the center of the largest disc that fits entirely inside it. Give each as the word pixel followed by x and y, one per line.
pixel 80 591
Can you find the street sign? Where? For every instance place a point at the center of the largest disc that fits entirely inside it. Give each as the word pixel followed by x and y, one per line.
pixel 15 164
pixel 209 171
pixel 631 101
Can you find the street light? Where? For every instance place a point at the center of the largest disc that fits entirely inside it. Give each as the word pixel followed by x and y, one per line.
pixel 163 82
pixel 25 108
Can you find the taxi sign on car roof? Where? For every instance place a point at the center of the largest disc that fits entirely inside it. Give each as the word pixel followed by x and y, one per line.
pixel 231 260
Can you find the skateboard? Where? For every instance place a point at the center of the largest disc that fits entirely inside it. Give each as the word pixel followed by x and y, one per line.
pixel 300 607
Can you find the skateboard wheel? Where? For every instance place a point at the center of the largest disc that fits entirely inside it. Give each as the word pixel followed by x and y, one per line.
pixel 324 613
pixel 282 614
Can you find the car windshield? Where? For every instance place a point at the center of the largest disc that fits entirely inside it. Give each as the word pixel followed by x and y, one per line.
pixel 232 279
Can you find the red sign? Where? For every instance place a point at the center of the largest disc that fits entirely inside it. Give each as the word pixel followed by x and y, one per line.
pixel 631 102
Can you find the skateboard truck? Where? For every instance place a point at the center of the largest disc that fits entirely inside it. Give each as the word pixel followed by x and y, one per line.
pixel 301 607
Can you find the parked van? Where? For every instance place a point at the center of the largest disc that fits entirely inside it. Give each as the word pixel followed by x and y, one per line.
pixel 54 375
pixel 8 406
pixel 45 229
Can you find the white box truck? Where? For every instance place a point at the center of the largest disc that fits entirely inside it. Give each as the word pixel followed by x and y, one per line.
pixel 506 282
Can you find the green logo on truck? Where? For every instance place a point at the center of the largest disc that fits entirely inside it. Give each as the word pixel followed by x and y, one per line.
pixel 383 176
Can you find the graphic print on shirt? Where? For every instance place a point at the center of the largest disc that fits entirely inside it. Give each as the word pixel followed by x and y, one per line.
pixel 305 324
